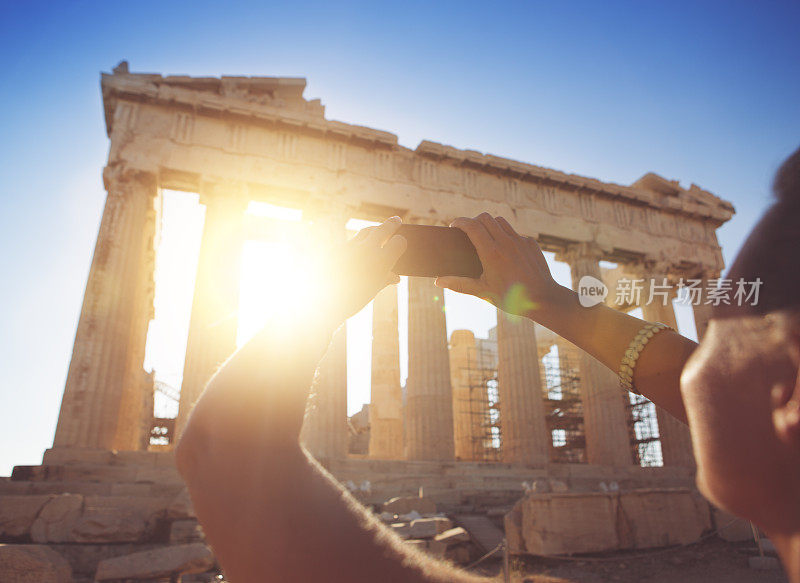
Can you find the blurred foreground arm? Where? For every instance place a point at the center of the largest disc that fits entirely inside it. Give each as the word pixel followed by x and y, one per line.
pixel 516 279
pixel 269 511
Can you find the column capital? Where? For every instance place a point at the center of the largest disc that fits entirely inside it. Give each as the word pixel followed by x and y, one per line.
pixel 121 179
pixel 580 251
pixel 335 214
pixel 228 194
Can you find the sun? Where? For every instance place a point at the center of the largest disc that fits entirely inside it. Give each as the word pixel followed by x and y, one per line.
pixel 276 275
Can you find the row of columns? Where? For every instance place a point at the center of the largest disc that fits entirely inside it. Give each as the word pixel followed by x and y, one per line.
pixel 104 386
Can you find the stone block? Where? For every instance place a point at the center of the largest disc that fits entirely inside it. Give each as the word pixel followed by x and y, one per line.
pixel 411 516
pixel 554 524
pixel 180 506
pixel 118 519
pixel 82 488
pixel 135 458
pixel 57 518
pixel 33 564
pixel 185 531
pixel 663 517
pixel 436 548
pixel 70 455
pixel 730 527
pixel 157 475
pixel 17 514
pixel 512 523
pixel 96 473
pixel 458 554
pixel 28 473
pixel 84 557
pixel 453 536
pixel 165 459
pixel 541 486
pixel 400 529
pixel 420 545
pixel 89 519
pixel 110 525
pixel 131 489
pixel 200 578
pixel 429 527
pixel 155 563
pixel 7 487
pixel 764 563
pixel 405 504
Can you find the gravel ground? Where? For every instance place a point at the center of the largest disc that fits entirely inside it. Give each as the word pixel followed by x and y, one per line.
pixel 708 561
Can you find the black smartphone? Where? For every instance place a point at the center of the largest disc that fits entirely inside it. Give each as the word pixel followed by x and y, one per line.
pixel 434 251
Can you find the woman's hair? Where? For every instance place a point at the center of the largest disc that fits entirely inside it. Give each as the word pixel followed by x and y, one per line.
pixel 787 179
pixel 772 251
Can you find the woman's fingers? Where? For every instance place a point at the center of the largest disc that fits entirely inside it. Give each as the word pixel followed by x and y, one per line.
pixel 493 228
pixel 392 250
pixel 383 232
pixel 506 226
pixel 478 235
pixel 363 234
pixel 520 242
pixel 462 285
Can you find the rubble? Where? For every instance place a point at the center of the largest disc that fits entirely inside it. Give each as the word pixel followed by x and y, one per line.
pixel 406 504
pixel 431 533
pixel 32 564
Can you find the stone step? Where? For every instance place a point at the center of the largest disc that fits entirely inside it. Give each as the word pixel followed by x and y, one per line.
pixel 90 488
pixel 62 456
pixel 94 472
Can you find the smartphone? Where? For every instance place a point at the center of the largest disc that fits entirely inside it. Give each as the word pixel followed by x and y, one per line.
pixel 434 251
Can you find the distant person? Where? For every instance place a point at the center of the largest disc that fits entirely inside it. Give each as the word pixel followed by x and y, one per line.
pixel 271 513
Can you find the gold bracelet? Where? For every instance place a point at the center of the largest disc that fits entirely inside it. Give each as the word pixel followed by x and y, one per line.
pixel 634 350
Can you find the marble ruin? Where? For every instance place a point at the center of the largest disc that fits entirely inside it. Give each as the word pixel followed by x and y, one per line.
pixel 476 419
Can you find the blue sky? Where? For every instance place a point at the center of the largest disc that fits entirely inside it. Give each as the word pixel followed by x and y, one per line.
pixel 705 92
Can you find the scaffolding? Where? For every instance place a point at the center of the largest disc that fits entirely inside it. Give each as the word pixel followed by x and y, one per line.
pixel 643 432
pixel 564 408
pixel 165 410
pixel 483 404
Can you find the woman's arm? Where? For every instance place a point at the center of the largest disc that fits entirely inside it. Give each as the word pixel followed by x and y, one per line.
pixel 516 279
pixel 268 510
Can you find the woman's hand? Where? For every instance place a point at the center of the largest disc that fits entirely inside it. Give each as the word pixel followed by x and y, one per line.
pixel 355 272
pixel 515 276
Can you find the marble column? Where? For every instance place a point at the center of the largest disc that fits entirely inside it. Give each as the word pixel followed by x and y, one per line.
pixel 325 431
pixel 214 320
pixel 523 426
pixel 702 311
pixel 386 401
pixel 470 397
pixel 103 405
pixel 676 443
pixel 604 412
pixel 429 397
